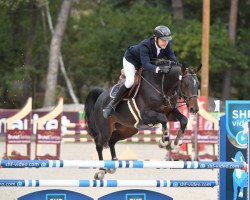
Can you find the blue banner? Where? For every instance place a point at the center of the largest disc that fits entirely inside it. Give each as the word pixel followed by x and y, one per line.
pixel 234 135
pixel 55 195
pixel 237 117
pixel 135 195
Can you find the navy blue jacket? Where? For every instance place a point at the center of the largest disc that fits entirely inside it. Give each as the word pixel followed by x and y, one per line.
pixel 144 53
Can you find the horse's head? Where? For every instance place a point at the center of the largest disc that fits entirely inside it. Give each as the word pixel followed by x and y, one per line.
pixel 189 88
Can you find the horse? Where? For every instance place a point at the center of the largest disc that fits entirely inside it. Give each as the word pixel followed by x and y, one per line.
pixel 155 103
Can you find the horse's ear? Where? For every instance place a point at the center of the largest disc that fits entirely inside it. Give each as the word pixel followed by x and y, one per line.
pixel 183 68
pixel 197 69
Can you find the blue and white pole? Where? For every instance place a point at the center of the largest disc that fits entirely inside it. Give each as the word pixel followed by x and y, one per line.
pixel 107 183
pixel 109 164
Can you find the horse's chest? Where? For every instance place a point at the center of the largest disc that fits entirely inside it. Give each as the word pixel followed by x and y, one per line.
pixel 156 103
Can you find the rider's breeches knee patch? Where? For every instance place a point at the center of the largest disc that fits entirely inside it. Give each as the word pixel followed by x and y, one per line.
pixel 129 81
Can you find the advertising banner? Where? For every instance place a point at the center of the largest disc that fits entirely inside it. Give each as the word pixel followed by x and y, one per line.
pixel 234 136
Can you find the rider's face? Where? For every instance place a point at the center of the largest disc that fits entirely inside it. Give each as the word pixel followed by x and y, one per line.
pixel 162 43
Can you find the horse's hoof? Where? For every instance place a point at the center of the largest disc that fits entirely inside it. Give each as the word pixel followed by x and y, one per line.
pixel 111 171
pixel 96 176
pixel 174 146
pixel 162 144
pixel 99 175
pixel 169 146
pixel 179 143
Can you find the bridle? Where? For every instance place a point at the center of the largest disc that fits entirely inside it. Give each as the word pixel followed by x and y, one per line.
pixel 181 93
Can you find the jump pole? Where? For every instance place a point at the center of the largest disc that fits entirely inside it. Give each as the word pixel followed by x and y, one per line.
pixel 109 164
pixel 107 183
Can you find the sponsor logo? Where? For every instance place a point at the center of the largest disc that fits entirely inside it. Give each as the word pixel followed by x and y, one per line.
pixel 237 118
pixel 135 196
pixel 55 196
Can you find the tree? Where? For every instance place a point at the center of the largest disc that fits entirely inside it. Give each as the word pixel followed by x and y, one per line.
pixel 61 63
pixel 177 8
pixel 28 58
pixel 226 89
pixel 55 48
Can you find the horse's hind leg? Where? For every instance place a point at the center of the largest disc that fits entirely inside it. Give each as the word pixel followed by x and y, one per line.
pixel 99 148
pixel 114 138
pixel 121 133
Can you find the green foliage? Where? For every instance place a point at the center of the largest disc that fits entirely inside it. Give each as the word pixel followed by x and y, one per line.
pixel 187 41
pixel 13 5
pixel 97 35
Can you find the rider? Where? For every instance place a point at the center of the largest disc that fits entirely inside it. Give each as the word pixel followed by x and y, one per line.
pixel 141 55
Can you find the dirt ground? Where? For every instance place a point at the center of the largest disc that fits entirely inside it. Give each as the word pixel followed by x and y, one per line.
pixel 124 151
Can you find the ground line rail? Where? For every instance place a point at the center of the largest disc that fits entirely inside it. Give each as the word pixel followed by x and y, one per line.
pixel 109 164
pixel 107 183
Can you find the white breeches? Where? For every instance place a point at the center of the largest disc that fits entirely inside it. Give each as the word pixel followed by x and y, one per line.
pixel 129 71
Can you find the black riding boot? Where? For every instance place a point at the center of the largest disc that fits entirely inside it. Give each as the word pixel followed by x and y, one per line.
pixel 112 105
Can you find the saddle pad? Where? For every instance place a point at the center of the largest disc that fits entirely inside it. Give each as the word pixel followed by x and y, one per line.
pixel 114 90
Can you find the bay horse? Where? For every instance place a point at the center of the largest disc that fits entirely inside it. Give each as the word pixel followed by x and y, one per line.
pixel 156 102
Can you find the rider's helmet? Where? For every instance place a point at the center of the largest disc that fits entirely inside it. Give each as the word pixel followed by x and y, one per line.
pixel 162 32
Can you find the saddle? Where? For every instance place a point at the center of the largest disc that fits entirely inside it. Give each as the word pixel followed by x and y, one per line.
pixel 133 90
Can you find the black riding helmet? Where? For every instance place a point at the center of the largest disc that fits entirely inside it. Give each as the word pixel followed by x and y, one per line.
pixel 162 32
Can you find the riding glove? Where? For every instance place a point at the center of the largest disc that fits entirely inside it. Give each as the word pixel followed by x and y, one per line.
pixel 162 70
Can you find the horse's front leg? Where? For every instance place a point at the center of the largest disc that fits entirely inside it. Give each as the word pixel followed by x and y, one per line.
pixel 183 121
pixel 150 117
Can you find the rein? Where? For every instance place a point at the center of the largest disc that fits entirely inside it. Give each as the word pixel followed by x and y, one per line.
pixel 166 97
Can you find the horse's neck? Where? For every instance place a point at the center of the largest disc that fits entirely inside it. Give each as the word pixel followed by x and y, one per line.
pixel 170 79
pixel 152 78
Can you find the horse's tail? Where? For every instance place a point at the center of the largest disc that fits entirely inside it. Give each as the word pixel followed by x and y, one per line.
pixel 89 110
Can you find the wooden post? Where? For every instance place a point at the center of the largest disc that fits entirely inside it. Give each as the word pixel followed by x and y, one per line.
pixel 56 113
pixel 24 135
pixel 205 48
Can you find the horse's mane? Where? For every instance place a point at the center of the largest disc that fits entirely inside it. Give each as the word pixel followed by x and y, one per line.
pixel 164 62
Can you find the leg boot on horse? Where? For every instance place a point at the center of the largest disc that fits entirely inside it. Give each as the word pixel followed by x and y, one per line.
pixel 112 105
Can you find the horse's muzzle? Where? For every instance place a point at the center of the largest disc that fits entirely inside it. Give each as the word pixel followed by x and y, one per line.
pixel 193 109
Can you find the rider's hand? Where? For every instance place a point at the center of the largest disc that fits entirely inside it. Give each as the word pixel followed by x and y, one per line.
pixel 158 70
pixel 161 70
